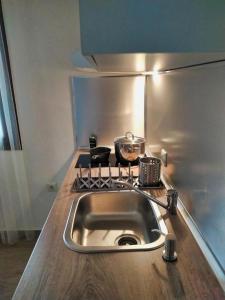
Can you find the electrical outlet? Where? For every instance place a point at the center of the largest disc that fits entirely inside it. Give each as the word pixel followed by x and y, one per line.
pixel 52 187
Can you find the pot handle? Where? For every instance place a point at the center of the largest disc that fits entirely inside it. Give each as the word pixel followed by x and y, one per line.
pixel 96 156
pixel 129 135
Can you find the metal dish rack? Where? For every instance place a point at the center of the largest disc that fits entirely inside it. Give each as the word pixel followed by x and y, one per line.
pixel 105 183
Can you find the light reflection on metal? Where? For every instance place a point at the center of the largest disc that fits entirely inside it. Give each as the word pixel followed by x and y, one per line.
pixel 190 125
pixel 108 107
pixel 138 103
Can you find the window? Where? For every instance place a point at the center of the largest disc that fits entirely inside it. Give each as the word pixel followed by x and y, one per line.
pixel 9 129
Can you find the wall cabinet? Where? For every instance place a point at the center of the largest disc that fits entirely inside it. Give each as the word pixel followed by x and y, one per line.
pixel 160 26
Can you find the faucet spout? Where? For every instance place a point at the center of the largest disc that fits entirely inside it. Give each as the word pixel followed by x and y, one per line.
pixel 171 196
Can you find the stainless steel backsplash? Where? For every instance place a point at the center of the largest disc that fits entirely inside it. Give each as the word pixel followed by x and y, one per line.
pixel 108 107
pixel 186 116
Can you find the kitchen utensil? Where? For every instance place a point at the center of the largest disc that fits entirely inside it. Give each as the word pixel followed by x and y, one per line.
pixel 149 171
pixel 129 148
pixel 100 154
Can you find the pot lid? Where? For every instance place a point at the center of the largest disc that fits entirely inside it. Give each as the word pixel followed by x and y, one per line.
pixel 129 138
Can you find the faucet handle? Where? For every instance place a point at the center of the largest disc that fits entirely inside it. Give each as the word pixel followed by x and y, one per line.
pixel 169 252
pixel 172 196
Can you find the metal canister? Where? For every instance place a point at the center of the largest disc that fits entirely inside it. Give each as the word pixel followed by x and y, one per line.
pixel 149 171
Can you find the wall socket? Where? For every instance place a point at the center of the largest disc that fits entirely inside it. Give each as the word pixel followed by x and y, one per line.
pixel 52 186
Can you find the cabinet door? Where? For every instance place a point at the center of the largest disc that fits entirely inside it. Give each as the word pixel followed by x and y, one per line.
pixel 130 26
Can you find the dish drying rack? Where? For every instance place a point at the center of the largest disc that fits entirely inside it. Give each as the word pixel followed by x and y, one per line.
pixel 105 183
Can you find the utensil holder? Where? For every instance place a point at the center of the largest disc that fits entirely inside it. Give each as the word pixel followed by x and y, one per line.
pixel 149 171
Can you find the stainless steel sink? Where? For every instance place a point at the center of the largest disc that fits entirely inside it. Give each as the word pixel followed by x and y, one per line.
pixel 113 221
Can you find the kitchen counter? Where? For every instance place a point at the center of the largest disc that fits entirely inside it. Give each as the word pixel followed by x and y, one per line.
pixel 55 272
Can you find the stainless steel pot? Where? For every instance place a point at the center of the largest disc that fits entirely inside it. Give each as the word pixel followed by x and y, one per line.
pixel 129 147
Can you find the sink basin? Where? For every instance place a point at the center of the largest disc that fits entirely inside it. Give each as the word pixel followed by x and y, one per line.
pixel 113 221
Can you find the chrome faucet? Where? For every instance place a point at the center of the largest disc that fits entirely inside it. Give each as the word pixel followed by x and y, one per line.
pixel 171 195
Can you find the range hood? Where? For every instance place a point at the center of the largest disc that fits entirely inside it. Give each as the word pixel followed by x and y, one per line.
pixel 139 63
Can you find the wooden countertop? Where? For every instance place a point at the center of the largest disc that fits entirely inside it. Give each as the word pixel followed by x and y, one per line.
pixel 55 272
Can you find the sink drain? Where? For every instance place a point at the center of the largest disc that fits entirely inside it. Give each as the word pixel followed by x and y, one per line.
pixel 127 240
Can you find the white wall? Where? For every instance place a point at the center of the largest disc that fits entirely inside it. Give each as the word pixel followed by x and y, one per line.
pixel 42 35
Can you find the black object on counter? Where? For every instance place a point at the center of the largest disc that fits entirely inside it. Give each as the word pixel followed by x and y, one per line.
pixel 100 155
pixel 92 141
pixel 85 159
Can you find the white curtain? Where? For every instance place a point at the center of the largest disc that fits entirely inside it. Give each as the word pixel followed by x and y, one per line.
pixel 15 206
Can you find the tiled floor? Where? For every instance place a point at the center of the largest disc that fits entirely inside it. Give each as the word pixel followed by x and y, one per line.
pixel 13 260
